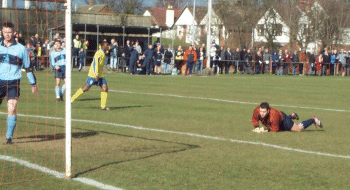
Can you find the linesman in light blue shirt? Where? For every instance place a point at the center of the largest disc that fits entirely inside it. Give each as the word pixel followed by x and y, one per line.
pixel 58 61
pixel 13 56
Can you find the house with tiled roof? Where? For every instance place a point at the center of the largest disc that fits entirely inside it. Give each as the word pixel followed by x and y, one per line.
pixel 280 19
pixel 92 8
pixel 271 25
pixel 162 17
pixel 183 23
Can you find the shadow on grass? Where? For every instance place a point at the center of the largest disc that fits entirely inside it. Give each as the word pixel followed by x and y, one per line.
pixel 180 149
pixel 88 99
pixel 121 107
pixel 314 130
pixel 59 136
pixel 88 133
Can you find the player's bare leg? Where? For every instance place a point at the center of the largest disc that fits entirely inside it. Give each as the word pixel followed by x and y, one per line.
pixel 297 127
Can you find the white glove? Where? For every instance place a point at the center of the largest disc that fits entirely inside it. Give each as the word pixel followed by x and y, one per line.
pixel 260 130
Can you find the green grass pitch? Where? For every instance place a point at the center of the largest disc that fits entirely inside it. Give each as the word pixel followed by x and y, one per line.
pixel 177 132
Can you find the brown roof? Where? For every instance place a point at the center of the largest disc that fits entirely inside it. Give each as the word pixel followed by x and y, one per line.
pixel 235 17
pixel 289 14
pixel 201 11
pixel 159 15
pixel 95 9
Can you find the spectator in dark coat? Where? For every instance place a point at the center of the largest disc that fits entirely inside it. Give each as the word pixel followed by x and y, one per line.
pixel 258 62
pixel 237 56
pixel 312 63
pixel 275 61
pixel 249 60
pixel 228 58
pixel 134 56
pixel 167 59
pixel 295 60
pixel 243 63
pixel 149 55
pixel 326 61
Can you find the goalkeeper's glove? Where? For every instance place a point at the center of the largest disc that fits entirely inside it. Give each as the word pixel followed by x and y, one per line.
pixel 260 130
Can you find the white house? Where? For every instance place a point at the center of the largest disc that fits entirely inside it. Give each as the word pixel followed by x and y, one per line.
pixel 186 26
pixel 216 23
pixel 163 18
pixel 271 22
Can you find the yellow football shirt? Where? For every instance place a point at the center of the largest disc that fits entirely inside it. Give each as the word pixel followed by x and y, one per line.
pixel 96 68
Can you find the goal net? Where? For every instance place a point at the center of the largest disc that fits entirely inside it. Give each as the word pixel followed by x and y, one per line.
pixel 38 141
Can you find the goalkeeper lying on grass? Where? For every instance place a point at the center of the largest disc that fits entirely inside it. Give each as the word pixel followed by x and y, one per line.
pixel 276 120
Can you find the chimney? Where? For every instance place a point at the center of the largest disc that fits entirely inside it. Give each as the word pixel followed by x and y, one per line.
pixel 170 16
pixel 4 4
pixel 91 3
pixel 26 4
pixel 302 4
pixel 309 5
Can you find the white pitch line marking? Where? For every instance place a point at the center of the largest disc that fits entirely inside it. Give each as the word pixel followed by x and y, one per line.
pixel 193 135
pixel 57 174
pixel 229 101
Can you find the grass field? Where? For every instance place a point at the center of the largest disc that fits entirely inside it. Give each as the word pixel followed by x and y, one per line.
pixel 177 132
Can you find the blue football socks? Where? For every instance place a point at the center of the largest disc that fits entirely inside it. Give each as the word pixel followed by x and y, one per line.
pixel 63 89
pixel 11 125
pixel 57 90
pixel 307 123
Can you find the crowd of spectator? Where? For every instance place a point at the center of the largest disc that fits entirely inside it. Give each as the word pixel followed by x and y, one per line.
pixel 38 50
pixel 131 57
pixel 279 62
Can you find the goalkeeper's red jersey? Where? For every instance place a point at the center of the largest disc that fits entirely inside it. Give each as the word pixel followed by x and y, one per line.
pixel 273 120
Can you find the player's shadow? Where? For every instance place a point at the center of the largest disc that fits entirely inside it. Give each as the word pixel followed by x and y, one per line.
pixel 181 147
pixel 59 136
pixel 51 137
pixel 314 130
pixel 88 99
pixel 121 107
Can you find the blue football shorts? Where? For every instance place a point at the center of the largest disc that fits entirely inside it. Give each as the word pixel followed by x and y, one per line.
pixel 61 73
pixel 287 122
pixel 10 89
pixel 91 81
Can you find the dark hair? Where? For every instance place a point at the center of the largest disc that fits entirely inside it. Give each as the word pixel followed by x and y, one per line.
pixel 8 25
pixel 57 40
pixel 265 105
pixel 104 43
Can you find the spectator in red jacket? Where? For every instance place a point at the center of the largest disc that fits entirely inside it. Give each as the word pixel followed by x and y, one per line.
pixel 190 57
pixel 276 120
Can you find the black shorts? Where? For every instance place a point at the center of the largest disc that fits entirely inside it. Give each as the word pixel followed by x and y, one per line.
pixel 61 73
pixel 287 122
pixel 10 89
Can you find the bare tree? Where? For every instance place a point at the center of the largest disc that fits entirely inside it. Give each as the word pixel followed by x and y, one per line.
pixel 272 27
pixel 123 6
pixel 328 22
pixel 238 17
pixel 40 19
